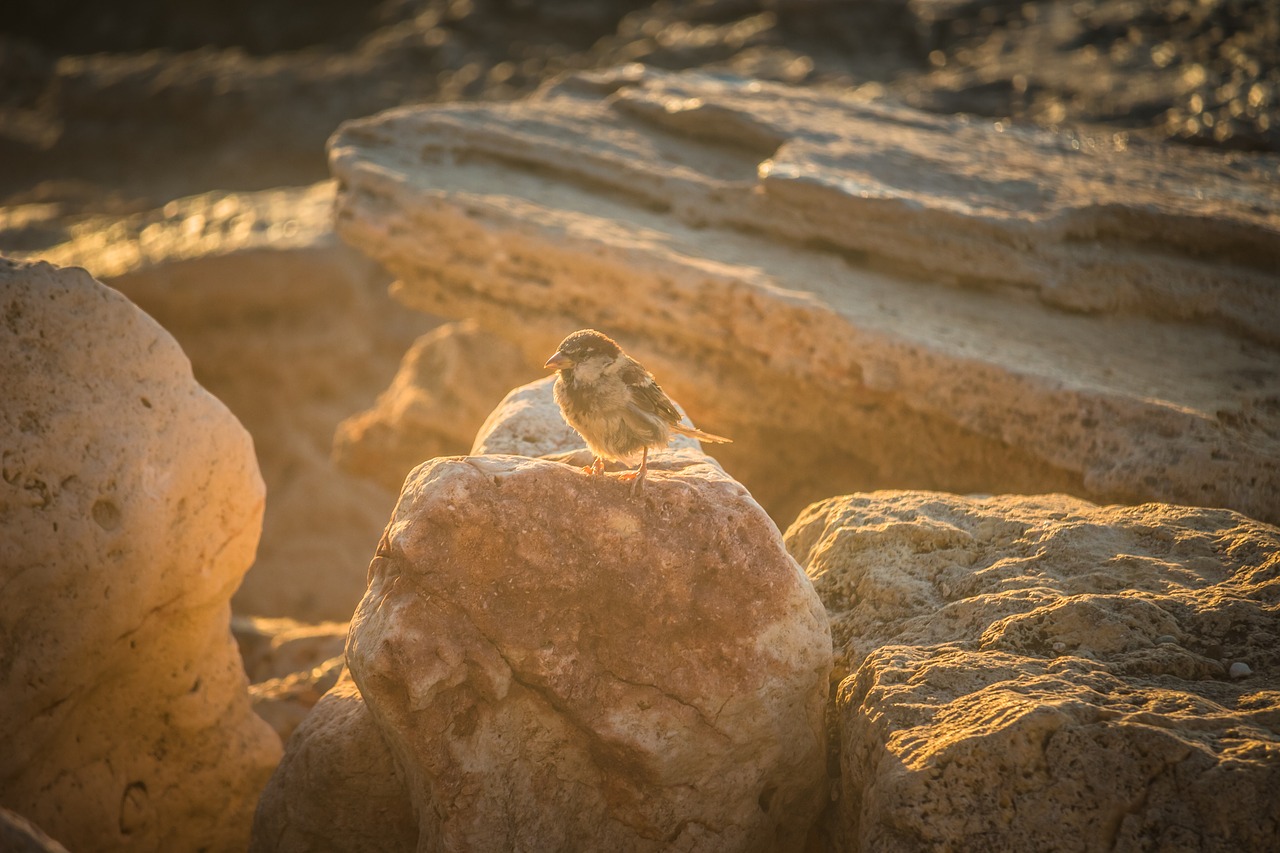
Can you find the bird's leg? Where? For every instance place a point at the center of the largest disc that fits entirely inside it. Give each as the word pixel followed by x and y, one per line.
pixel 637 479
pixel 596 466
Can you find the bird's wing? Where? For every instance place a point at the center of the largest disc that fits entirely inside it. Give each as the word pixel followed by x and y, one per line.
pixel 646 395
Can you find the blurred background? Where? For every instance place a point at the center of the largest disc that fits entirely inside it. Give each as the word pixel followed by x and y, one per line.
pixel 121 105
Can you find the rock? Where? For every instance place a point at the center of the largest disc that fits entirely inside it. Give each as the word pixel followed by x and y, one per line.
pixel 293 331
pixel 1240 669
pixel 285 701
pixel 337 790
pixel 448 381
pixel 528 423
pixel 638 690
pixel 859 293
pixel 131 504
pixel 274 648
pixel 648 674
pixel 1006 689
pixel 19 835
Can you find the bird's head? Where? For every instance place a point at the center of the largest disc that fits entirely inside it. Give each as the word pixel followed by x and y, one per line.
pixel 582 346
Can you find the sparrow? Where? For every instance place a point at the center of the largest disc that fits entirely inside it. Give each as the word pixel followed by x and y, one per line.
pixel 614 403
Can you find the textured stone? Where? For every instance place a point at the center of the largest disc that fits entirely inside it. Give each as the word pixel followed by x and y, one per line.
pixel 274 648
pixel 1042 673
pixel 131 504
pixel 293 331
pixel 337 790
pixel 860 294
pixel 285 701
pixel 448 381
pixel 557 665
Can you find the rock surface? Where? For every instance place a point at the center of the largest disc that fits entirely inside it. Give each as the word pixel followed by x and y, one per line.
pixel 288 327
pixel 859 293
pixel 566 667
pixel 1043 673
pixel 285 701
pixel 274 648
pixel 131 505
pixel 448 382
pixel 337 789
pixel 555 664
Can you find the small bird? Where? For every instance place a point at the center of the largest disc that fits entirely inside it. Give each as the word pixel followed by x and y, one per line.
pixel 614 403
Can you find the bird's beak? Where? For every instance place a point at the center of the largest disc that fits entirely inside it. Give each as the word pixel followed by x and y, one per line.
pixel 558 361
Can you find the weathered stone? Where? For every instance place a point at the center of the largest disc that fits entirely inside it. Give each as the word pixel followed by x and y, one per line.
pixel 274 648
pixel 450 379
pixel 293 331
pixel 1042 673
pixel 285 701
pixel 556 665
pixel 131 506
pixel 860 294
pixel 337 789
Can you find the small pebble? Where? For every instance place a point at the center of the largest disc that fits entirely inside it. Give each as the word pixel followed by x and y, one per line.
pixel 1059 648
pixel 1166 638
pixel 1240 669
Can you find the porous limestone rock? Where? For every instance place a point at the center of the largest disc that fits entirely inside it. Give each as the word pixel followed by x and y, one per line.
pixel 293 331
pixel 337 789
pixel 558 665
pixel 862 295
pixel 555 664
pixel 131 505
pixel 448 381
pixel 1043 673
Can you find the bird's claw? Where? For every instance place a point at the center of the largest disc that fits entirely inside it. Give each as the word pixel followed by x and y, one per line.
pixel 636 478
pixel 596 467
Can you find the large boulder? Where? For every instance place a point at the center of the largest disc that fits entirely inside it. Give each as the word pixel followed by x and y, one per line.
pixel 131 504
pixel 861 294
pixel 555 664
pixel 1043 673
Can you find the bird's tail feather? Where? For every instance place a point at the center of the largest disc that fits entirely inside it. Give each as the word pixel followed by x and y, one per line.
pixel 694 432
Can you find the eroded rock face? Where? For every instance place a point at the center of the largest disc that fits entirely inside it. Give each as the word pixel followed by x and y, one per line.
pixel 1042 673
pixel 448 382
pixel 131 504
pixel 556 665
pixel 860 294
pixel 337 788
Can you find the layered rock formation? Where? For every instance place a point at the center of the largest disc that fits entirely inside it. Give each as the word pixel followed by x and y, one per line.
pixel 288 327
pixel 1043 673
pixel 131 505
pixel 860 294
pixel 554 664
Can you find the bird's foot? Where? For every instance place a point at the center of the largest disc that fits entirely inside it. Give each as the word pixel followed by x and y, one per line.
pixel 636 479
pixel 596 467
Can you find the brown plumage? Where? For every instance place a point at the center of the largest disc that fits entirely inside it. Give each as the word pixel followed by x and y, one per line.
pixel 614 403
